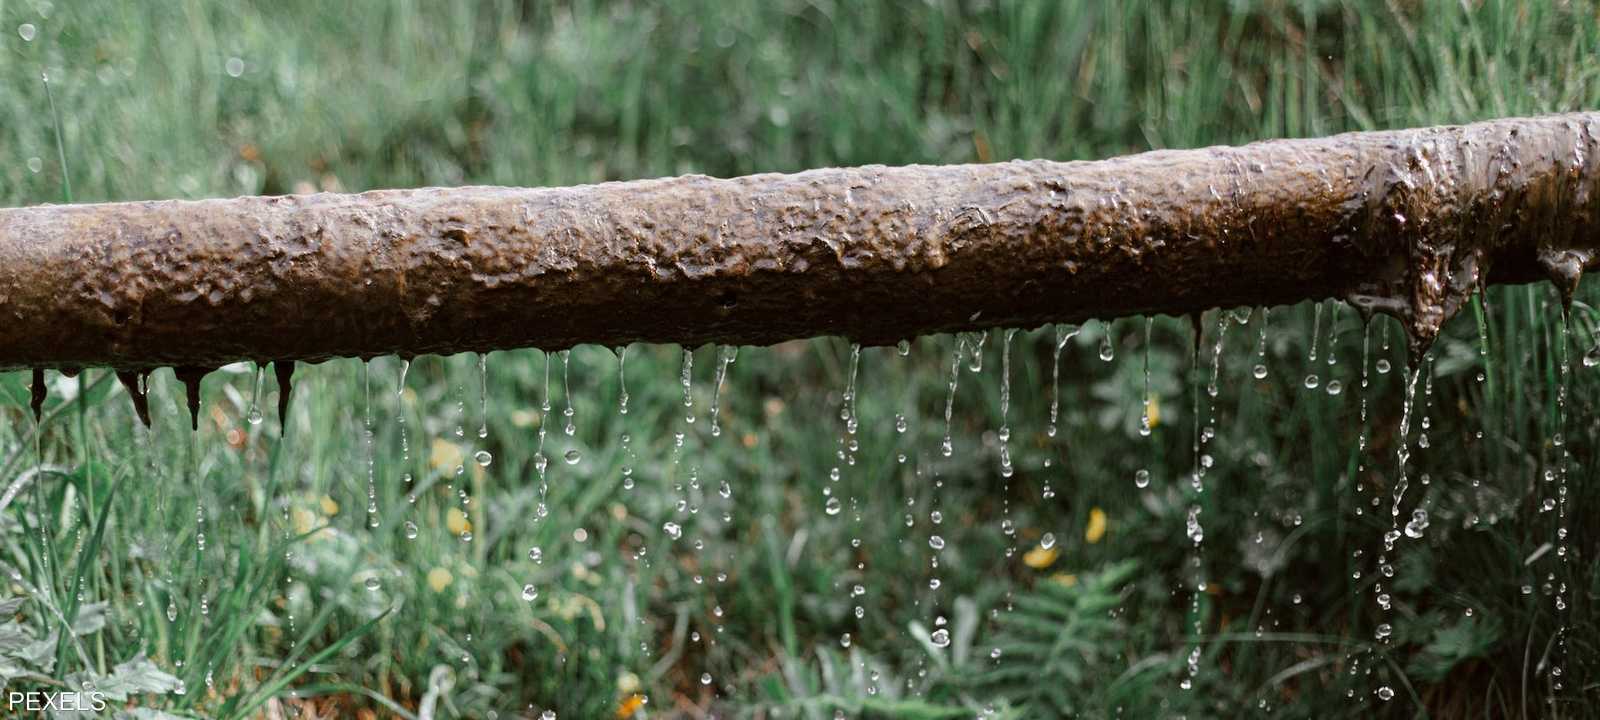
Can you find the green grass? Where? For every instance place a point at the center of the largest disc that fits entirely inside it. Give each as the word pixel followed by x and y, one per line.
pixel 275 612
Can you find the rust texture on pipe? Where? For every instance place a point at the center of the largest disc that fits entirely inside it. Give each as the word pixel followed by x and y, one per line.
pixel 1407 222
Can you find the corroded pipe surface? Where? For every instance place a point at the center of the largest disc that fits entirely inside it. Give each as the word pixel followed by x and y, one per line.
pixel 1406 222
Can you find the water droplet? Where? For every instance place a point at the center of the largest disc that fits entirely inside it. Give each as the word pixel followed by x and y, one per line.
pixel 1384 630
pixel 903 347
pixel 483 457
pixel 832 506
pixel 1141 478
pixel 1382 366
pixel 548 715
pixel 1385 693
pixel 1048 541
pixel 1312 381
pixel 1260 372
pixel 373 584
pixel 27 31
pixel 234 67
pixel 672 529
pixel 411 530
pixel 705 678
pixel 536 554
pixel 1335 387
pixel 936 542
pixel 1590 359
pixel 573 456
pixel 941 638
pixel 530 593
pixel 1419 522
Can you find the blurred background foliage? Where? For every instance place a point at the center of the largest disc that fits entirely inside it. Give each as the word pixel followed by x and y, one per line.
pixel 230 573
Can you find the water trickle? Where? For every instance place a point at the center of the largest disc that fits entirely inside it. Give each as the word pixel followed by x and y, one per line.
pixel 725 357
pixel 1004 434
pixel 253 413
pixel 405 437
pixel 367 442
pixel 1064 333
pixel 570 428
pixel 686 378
pixel 1145 417
pixel 975 343
pixel 947 448
pixel 483 395
pixel 622 379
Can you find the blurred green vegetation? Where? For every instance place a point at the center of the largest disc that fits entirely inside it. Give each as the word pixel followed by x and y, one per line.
pixel 293 603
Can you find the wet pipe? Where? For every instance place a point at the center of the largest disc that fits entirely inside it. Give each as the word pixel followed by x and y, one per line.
pixel 1407 222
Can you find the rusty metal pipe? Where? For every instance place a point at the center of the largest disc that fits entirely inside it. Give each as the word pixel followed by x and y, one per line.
pixel 1407 222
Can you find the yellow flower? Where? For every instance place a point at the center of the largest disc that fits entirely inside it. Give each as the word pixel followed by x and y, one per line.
pixel 439 579
pixel 629 706
pixel 1064 579
pixel 1097 526
pixel 445 455
pixel 329 506
pixel 1040 557
pixel 457 522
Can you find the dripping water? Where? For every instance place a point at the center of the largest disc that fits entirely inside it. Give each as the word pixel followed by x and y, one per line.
pixel 1064 333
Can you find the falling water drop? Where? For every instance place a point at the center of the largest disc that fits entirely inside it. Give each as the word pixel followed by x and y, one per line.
pixel 1108 352
pixel 410 530
pixel 1141 478
pixel 573 456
